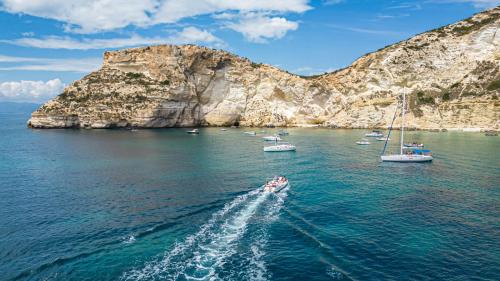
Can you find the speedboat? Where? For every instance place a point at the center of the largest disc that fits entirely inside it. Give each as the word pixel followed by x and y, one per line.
pixel 250 133
pixel 413 145
pixel 282 147
pixel 193 132
pixel 375 134
pixel 283 133
pixel 271 138
pixel 363 142
pixel 383 139
pixel 276 184
pixel 223 129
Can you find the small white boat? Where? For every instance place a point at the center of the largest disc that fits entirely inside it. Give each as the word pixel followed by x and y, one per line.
pixel 375 134
pixel 363 142
pixel 413 144
pixel 282 147
pixel 383 139
pixel 283 133
pixel 276 184
pixel 223 129
pixel 250 133
pixel 271 138
pixel 193 132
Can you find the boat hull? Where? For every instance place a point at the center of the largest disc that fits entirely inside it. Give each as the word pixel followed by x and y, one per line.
pixel 404 158
pixel 280 148
pixel 271 138
pixel 275 189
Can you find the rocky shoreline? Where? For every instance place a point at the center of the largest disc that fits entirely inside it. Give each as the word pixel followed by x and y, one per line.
pixel 451 76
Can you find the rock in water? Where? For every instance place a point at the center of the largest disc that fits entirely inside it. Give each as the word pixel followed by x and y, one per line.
pixel 451 75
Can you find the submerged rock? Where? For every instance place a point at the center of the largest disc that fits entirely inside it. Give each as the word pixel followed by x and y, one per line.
pixel 451 75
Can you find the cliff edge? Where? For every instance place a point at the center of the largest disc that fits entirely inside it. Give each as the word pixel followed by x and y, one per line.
pixel 452 76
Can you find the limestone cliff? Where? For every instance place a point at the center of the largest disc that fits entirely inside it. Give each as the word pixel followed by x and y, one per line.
pixel 452 76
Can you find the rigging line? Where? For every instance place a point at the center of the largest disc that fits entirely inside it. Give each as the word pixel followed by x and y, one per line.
pixel 390 129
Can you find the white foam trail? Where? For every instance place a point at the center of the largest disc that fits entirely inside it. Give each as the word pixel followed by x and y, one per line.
pixel 129 240
pixel 256 266
pixel 156 269
pixel 210 257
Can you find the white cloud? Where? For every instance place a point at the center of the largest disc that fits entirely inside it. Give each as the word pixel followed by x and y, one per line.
pixel 185 36
pixel 258 27
pixel 476 3
pixel 366 30
pixel 30 91
pixel 332 2
pixel 87 16
pixel 45 64
pixel 90 16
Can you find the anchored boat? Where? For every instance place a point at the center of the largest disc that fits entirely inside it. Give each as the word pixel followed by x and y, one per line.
pixel 276 184
pixel 363 142
pixel 375 134
pixel 271 138
pixel 406 154
pixel 280 147
pixel 250 133
pixel 193 132
pixel 413 145
pixel 283 133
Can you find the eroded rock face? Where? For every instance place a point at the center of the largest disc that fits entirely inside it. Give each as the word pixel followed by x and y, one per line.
pixel 451 75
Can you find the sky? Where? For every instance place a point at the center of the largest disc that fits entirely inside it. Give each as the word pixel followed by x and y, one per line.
pixel 47 44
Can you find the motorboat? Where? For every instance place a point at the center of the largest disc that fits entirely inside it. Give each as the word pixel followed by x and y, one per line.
pixel 375 134
pixel 491 133
pixel 363 142
pixel 271 138
pixel 383 139
pixel 250 133
pixel 276 184
pixel 193 132
pixel 406 154
pixel 413 144
pixel 223 129
pixel 280 147
pixel 283 133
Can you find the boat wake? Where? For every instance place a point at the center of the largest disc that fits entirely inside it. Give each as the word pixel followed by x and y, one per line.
pixel 231 245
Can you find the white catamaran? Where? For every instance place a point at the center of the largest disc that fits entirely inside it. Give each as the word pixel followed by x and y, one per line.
pixel 406 154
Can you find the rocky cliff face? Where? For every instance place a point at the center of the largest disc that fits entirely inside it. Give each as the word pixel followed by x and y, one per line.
pixel 451 75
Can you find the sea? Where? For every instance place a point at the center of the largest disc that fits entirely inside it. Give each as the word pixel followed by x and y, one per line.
pixel 160 204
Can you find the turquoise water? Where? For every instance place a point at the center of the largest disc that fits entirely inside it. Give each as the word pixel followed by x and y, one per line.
pixel 163 205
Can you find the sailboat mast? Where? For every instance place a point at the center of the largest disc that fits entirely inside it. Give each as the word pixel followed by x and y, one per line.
pixel 403 120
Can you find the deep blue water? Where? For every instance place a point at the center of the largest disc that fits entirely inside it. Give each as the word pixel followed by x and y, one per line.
pixel 163 205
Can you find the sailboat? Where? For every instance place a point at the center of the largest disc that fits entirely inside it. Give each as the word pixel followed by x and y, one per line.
pixel 280 147
pixel 406 155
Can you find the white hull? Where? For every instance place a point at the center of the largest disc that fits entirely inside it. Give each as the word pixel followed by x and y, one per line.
pixel 280 148
pixel 374 135
pixel 275 189
pixel 271 138
pixel 406 158
pixel 362 143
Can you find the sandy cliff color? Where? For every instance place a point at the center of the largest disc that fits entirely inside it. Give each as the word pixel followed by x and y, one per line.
pixel 452 76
